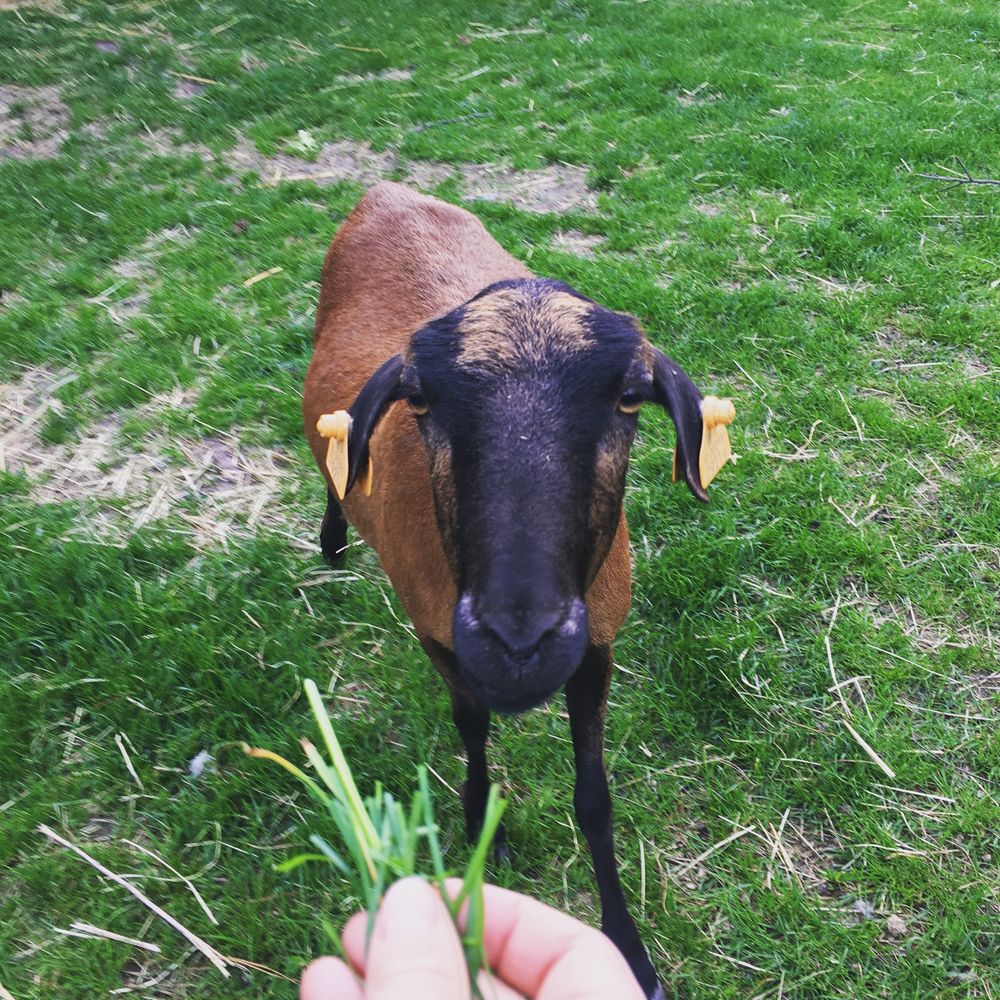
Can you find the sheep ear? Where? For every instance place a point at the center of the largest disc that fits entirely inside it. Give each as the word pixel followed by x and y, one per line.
pixel 382 389
pixel 678 395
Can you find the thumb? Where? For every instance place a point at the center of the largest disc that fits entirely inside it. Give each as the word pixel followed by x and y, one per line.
pixel 414 951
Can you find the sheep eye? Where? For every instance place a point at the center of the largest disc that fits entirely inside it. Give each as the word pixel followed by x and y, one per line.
pixel 630 401
pixel 418 404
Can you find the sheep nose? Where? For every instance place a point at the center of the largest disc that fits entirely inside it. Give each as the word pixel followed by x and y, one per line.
pixel 521 634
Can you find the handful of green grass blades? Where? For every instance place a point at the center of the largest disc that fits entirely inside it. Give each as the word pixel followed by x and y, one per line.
pixel 381 838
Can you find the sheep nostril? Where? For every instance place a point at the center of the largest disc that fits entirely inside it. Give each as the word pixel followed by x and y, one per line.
pixel 521 635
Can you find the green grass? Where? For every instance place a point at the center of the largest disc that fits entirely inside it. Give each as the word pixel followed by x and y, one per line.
pixel 756 170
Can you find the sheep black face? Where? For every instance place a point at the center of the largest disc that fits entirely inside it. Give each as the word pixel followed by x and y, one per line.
pixel 527 398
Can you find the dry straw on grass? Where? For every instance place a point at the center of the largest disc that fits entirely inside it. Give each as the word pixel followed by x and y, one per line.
pixel 221 489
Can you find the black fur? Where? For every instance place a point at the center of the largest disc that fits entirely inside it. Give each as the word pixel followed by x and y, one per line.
pixel 378 392
pixel 519 525
pixel 679 396
pixel 586 694
pixel 472 720
pixel 333 532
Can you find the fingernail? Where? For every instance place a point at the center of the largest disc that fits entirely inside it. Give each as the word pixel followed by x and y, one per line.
pixel 410 905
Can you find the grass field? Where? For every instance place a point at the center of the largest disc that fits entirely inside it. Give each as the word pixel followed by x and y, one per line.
pixel 742 176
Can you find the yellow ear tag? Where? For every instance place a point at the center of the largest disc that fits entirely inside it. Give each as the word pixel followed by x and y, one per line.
pixel 365 479
pixel 715 448
pixel 336 427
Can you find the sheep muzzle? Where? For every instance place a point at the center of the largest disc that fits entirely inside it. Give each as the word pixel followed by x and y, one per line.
pixel 517 660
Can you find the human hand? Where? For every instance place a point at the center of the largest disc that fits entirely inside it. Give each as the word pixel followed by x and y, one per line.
pixel 535 952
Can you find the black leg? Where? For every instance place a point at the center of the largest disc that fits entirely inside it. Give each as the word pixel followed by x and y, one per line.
pixel 333 533
pixel 472 720
pixel 586 695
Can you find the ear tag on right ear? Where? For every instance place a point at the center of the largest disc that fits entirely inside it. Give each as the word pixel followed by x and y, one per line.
pixel 337 428
pixel 715 448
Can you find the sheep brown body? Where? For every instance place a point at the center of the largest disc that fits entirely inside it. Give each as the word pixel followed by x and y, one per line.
pixel 411 281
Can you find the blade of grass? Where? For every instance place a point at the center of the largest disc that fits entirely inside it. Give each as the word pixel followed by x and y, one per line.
pixel 290 864
pixel 494 813
pixel 340 765
pixel 258 752
pixel 329 854
pixel 354 832
pixel 430 829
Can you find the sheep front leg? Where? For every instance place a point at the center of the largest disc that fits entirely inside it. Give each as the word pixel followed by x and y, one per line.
pixel 472 720
pixel 586 697
pixel 333 532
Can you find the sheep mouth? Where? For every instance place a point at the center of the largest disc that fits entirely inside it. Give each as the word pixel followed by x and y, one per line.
pixel 507 702
pixel 514 673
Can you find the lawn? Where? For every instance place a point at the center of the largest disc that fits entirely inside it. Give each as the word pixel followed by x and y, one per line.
pixel 744 177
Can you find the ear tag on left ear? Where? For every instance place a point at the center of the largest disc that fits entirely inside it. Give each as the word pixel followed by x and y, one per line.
pixel 337 428
pixel 715 448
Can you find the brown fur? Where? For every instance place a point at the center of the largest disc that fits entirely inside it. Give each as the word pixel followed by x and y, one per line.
pixel 399 260
pixel 556 322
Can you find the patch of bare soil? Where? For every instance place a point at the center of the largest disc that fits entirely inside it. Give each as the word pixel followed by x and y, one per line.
pixel 896 352
pixel 709 209
pixel 141 267
pixel 121 308
pixel 574 242
pixel 983 686
pixel 427 174
pixel 33 122
pixel 975 367
pixel 131 269
pixel 833 286
pixel 175 234
pixel 345 160
pixel 800 852
pixel 250 62
pixel 698 96
pixel 220 488
pixel 928 493
pixel 167 142
pixel 925 635
pixel 890 338
pixel 557 188
pixel 49 6
pixel 766 194
pixel 386 75
pixel 901 407
pixel 185 89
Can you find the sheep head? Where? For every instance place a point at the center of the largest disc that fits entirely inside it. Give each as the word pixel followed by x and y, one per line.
pixel 526 398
